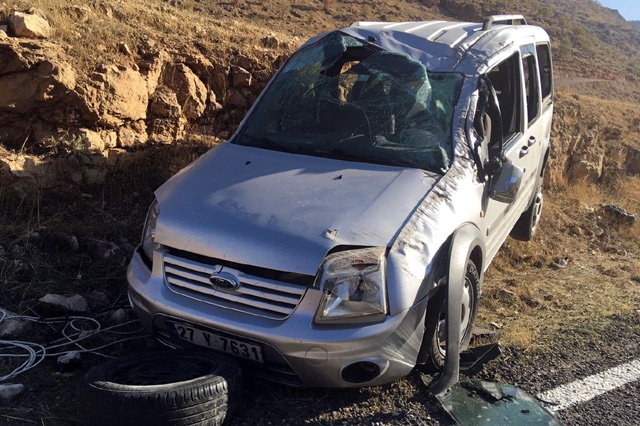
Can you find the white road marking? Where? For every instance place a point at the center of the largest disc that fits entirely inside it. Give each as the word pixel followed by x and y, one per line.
pixel 590 387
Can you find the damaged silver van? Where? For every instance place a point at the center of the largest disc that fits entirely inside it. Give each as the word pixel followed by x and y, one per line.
pixel 355 210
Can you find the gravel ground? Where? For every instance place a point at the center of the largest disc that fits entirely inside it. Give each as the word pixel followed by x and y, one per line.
pixel 576 355
pixel 49 397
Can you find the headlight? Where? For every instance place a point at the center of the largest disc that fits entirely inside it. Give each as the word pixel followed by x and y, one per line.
pixel 353 286
pixel 149 233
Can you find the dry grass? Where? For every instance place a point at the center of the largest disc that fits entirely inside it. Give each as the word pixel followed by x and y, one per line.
pixel 93 35
pixel 533 301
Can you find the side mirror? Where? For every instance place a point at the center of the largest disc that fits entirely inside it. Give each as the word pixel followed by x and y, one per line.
pixel 505 187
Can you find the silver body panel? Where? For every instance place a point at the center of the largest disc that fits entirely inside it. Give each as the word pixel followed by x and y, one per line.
pixel 284 212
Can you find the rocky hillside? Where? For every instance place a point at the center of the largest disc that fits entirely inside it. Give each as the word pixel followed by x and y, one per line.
pixel 95 80
pixel 635 24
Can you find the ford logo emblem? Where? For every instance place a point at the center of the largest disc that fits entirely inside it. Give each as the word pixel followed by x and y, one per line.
pixel 224 281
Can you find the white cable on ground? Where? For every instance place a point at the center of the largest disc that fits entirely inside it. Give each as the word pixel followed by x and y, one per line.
pixel 75 330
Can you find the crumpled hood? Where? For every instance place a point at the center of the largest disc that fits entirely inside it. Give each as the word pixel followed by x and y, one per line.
pixel 284 211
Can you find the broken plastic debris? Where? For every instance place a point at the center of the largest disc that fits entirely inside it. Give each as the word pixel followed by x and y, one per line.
pixel 560 263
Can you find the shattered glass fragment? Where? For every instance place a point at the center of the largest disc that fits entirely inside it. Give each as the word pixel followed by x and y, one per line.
pixel 475 403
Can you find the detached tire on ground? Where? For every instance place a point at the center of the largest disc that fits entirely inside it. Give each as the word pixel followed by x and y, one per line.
pixel 161 388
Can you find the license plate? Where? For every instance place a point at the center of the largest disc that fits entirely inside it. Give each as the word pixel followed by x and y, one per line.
pixel 215 341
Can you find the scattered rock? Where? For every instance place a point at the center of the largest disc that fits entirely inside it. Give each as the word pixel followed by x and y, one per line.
pixel 13 328
pixel 497 325
pixel 103 250
pixel 124 49
pixel 69 361
pixel 622 252
pixel 29 25
pixel 575 230
pixel 56 303
pixel 270 42
pixel 98 300
pixel 3 34
pixel 240 77
pixel 119 316
pixel 8 391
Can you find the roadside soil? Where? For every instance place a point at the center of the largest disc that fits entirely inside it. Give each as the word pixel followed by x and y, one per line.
pixel 555 325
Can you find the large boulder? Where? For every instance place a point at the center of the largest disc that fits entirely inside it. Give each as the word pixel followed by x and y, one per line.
pixel 115 96
pixel 29 25
pixel 166 122
pixel 587 157
pixel 189 89
pixel 43 85
pixel 33 75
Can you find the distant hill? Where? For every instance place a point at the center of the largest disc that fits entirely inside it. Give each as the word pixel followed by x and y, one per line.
pixel 588 39
pixel 635 24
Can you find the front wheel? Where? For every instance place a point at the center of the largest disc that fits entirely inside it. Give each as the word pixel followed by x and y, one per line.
pixel 436 321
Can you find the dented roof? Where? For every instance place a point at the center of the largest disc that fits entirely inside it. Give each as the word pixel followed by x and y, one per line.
pixel 446 46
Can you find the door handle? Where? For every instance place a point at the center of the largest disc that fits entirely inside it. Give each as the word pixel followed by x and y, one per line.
pixel 524 151
pixel 531 140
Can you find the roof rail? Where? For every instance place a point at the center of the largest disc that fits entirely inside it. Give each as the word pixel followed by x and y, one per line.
pixel 502 19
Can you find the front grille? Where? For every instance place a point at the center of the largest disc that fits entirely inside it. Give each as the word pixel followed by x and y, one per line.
pixel 256 296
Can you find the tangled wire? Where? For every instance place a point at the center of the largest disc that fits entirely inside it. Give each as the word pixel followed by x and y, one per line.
pixel 75 329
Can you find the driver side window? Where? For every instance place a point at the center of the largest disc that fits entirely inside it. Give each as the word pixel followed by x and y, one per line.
pixel 505 78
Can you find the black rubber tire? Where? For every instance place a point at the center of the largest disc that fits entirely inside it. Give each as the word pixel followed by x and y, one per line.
pixel 170 387
pixel 435 315
pixel 526 226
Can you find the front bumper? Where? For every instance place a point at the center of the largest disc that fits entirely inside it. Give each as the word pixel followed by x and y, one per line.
pixel 296 351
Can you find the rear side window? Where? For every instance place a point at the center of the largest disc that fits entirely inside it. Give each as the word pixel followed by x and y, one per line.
pixel 544 60
pixel 532 91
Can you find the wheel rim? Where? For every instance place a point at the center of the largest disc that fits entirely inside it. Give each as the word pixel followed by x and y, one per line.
pixel 160 371
pixel 468 299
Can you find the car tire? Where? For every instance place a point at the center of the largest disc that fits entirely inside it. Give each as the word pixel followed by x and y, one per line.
pixel 159 388
pixel 527 224
pixel 435 323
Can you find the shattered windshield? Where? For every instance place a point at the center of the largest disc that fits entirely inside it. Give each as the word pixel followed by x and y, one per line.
pixel 342 98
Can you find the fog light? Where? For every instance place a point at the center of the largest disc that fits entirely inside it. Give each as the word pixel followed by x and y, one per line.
pixel 360 372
